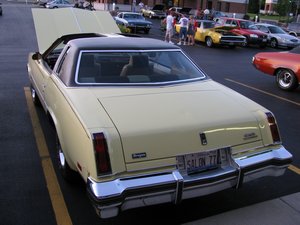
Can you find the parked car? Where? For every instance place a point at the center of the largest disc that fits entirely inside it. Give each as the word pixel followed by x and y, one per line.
pixel 179 11
pixel 216 14
pixel 246 28
pixel 134 21
pixel 294 28
pixel 58 4
pixel 1 9
pixel 209 34
pixel 42 2
pixel 140 121
pixel 285 66
pixel 158 11
pixel 175 9
pixel 277 37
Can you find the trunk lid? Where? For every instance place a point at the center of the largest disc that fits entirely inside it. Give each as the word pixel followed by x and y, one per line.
pixel 160 124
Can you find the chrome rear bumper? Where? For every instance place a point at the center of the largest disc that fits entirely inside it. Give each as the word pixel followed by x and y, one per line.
pixel 121 194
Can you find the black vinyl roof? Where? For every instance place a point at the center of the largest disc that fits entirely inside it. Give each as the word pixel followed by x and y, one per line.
pixel 120 43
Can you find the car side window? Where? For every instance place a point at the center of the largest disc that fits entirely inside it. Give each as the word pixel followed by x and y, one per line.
pixel 53 55
pixel 264 29
pixel 228 22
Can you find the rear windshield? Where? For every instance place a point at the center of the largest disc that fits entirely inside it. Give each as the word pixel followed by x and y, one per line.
pixel 135 67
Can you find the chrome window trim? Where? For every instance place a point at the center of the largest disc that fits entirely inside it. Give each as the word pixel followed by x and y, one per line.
pixel 204 76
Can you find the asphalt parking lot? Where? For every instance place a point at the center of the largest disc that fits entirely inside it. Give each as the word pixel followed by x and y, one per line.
pixel 32 191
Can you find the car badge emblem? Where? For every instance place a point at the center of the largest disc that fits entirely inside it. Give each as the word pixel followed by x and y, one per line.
pixel 203 138
pixel 249 135
pixel 139 155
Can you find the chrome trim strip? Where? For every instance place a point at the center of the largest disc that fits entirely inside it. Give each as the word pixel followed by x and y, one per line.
pixel 109 197
pixel 179 187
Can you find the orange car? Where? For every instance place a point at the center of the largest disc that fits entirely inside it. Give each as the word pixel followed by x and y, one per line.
pixel 284 65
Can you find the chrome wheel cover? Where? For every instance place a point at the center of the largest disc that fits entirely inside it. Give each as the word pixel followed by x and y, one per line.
pixel 33 94
pixel 273 43
pixel 61 156
pixel 209 42
pixel 285 79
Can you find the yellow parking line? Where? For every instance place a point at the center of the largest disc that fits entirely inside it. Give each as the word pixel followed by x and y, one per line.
pixel 59 206
pixel 264 92
pixel 294 169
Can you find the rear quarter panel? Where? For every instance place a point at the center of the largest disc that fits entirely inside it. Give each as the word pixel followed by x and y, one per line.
pixel 75 123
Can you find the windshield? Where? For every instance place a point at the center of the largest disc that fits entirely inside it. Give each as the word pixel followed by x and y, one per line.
pixel 135 67
pixel 133 16
pixel 276 30
pixel 207 25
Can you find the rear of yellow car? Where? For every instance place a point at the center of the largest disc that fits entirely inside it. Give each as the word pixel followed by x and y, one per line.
pixel 176 148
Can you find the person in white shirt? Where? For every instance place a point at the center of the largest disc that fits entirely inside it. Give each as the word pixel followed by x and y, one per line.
pixel 169 26
pixel 184 23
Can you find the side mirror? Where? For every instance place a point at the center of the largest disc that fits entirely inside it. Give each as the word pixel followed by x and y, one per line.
pixel 36 56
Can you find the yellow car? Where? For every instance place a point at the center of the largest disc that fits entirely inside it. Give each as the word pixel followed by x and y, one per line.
pixel 139 121
pixel 211 35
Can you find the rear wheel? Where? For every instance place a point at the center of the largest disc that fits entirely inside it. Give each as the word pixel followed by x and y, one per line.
pixel 286 80
pixel 66 171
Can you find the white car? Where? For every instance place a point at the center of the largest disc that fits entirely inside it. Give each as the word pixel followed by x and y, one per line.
pixel 58 4
pixel 277 37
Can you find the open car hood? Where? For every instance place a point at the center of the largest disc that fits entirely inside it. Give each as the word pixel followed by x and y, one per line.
pixel 221 28
pixel 52 24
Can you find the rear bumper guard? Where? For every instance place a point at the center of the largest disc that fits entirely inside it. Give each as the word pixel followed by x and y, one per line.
pixel 110 197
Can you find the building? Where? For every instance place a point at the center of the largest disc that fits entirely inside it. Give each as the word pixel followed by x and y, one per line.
pixel 270 6
pixel 239 7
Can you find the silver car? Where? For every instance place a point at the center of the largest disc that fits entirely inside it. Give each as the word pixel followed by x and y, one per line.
pixel 58 4
pixel 277 37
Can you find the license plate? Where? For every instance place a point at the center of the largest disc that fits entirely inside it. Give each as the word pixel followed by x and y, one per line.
pixel 202 161
pixel 264 40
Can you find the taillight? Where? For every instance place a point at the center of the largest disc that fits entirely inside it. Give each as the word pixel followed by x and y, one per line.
pixel 101 154
pixel 273 127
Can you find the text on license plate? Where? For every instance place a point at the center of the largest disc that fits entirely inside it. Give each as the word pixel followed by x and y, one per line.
pixel 202 161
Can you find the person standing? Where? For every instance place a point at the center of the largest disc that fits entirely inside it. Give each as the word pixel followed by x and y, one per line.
pixel 169 27
pixel 183 23
pixel 191 30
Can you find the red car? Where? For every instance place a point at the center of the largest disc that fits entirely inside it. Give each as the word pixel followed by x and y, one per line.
pixel 245 28
pixel 284 65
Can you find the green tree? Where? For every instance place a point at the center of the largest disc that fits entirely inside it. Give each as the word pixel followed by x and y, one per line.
pixel 253 6
pixel 282 7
